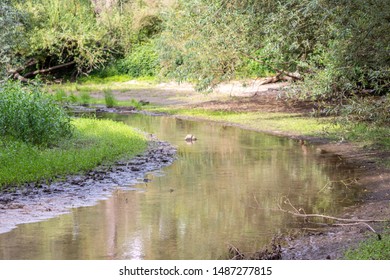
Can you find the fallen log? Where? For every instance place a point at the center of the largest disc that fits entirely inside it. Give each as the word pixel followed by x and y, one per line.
pixel 15 74
pixel 50 69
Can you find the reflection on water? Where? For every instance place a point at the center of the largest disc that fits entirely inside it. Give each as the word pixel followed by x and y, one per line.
pixel 223 189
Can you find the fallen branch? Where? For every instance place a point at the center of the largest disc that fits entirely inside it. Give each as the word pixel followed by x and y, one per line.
pixel 361 223
pixel 15 73
pixel 298 214
pixel 235 253
pixel 348 222
pixel 50 69
pixel 19 77
pixel 281 74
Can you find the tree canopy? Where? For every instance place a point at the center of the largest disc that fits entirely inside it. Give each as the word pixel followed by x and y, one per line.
pixel 333 49
pixel 343 45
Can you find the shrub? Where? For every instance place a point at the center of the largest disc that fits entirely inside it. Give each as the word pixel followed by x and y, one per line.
pixel 32 116
pixel 141 62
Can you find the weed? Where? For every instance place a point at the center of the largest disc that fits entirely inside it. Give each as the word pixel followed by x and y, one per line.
pixel 60 96
pixel 109 98
pixel 85 98
pixel 136 104
pixel 29 115
pixel 72 98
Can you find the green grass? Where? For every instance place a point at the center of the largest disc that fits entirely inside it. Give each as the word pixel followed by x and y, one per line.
pixel 371 249
pixel 94 84
pixel 263 121
pixel 368 135
pixel 94 142
pixel 109 98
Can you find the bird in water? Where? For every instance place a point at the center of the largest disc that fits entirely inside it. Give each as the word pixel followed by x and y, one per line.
pixel 190 138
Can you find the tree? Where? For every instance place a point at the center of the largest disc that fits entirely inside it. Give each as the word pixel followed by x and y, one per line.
pixel 206 41
pixel 337 47
pixel 11 26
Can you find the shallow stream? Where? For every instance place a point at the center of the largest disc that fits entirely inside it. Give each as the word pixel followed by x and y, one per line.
pixel 223 189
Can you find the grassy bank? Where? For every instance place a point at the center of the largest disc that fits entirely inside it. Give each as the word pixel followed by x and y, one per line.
pixel 288 123
pixel 371 249
pixel 293 124
pixel 94 84
pixel 94 142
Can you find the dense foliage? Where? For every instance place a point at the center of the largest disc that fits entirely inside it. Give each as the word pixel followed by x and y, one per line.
pixel 10 26
pixel 336 51
pixel 342 45
pixel 29 115
pixel 59 38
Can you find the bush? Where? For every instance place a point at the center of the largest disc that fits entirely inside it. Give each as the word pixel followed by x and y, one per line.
pixel 141 62
pixel 29 115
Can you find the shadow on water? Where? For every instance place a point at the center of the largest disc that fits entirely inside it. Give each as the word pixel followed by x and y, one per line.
pixel 223 189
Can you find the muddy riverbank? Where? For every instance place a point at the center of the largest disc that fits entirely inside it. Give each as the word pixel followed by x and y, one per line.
pixel 36 202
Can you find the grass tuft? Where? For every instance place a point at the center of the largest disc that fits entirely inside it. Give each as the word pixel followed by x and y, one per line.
pixel 109 98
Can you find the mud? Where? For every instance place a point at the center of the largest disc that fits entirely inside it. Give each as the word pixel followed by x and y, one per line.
pixel 36 202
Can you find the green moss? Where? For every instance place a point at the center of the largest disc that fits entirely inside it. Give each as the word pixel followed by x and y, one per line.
pixel 94 142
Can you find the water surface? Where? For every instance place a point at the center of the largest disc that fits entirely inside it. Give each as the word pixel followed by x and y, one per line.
pixel 223 189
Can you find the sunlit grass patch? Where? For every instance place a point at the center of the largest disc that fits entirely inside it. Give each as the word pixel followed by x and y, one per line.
pixel 371 249
pixel 264 121
pixel 94 142
pixel 96 84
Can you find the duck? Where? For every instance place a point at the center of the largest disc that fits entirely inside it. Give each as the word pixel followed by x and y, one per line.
pixel 190 138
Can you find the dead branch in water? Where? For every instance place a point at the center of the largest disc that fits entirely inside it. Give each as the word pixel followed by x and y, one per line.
pixel 347 222
pixel 297 212
pixel 346 183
